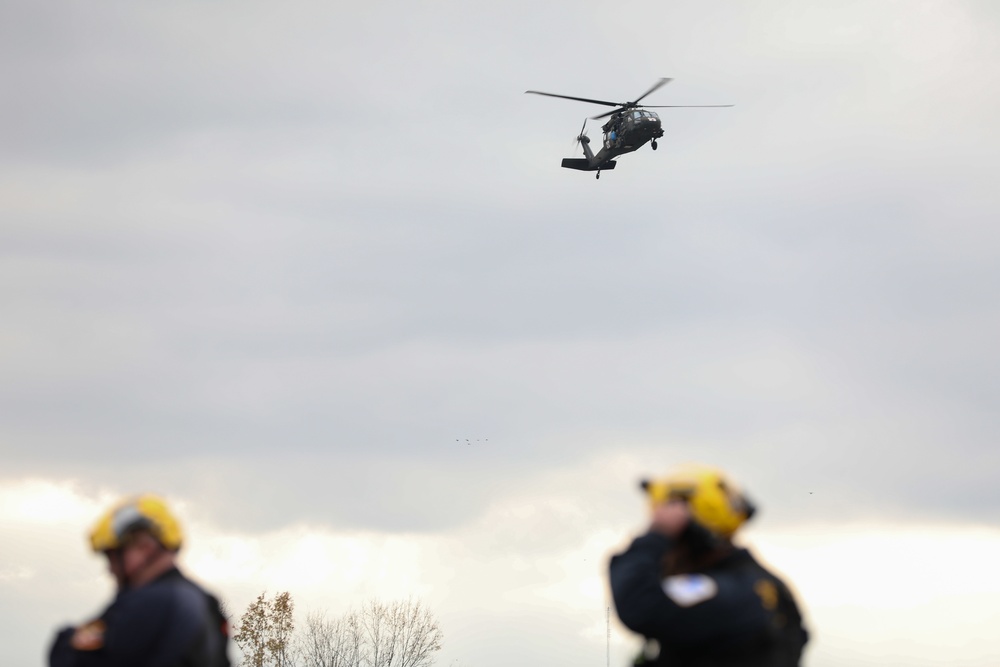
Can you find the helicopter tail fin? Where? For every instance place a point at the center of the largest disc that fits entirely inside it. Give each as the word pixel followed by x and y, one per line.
pixel 583 164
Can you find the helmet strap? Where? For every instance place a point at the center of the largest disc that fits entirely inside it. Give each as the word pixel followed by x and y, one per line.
pixel 116 557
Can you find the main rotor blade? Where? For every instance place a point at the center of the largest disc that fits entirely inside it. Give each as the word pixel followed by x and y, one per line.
pixel 659 84
pixel 681 106
pixel 578 99
pixel 605 115
pixel 660 106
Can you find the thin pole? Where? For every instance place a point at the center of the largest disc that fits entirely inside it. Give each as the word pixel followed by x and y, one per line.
pixel 608 616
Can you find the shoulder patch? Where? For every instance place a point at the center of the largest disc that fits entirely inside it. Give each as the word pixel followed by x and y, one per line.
pixel 687 590
pixel 89 637
pixel 768 594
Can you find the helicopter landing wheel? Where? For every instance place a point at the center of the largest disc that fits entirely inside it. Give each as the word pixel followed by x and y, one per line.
pixel 598 175
pixel 653 144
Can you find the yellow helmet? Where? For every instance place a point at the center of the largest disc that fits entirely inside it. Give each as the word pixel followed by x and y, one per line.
pixel 715 501
pixel 145 512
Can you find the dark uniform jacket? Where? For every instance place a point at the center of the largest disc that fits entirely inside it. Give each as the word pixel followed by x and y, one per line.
pixel 169 622
pixel 732 614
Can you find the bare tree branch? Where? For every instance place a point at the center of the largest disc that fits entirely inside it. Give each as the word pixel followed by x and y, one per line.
pixel 401 634
pixel 331 643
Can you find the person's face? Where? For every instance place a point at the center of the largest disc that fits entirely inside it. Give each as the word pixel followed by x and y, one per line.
pixel 139 550
pixel 128 560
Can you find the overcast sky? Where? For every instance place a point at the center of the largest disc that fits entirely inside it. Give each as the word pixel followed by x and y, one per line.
pixel 282 261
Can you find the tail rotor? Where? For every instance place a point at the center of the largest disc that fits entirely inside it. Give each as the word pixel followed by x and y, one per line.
pixel 581 137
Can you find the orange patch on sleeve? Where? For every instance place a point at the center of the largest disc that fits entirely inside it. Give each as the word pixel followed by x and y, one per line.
pixel 89 637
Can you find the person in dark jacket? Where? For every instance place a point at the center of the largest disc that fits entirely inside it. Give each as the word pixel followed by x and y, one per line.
pixel 158 618
pixel 699 600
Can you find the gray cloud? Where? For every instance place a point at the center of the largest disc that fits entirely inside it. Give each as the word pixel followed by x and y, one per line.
pixel 244 246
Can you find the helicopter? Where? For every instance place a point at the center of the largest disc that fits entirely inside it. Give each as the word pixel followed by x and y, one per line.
pixel 628 129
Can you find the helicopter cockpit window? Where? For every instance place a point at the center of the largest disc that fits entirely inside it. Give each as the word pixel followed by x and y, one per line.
pixel 637 115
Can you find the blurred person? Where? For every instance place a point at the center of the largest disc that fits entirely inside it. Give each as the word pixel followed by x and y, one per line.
pixel 700 600
pixel 158 617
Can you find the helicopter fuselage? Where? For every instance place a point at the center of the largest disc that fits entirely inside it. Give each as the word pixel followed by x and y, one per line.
pixel 626 131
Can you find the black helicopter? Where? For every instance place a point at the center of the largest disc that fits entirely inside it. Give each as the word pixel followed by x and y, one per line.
pixel 628 129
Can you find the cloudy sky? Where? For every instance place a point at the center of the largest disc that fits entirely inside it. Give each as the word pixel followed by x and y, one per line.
pixel 282 261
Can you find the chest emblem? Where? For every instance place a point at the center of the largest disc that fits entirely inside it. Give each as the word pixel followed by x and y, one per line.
pixel 687 590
